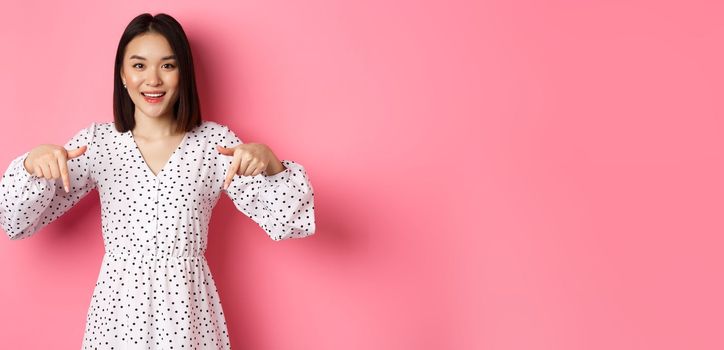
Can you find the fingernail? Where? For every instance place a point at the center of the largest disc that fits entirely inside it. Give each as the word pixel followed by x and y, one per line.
pixel 66 189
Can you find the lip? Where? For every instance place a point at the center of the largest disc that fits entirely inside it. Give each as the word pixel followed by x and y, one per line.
pixel 153 99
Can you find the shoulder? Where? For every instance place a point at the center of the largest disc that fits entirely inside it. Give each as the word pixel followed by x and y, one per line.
pixel 87 131
pixel 213 130
pixel 102 130
pixel 101 127
pixel 219 133
pixel 212 127
pixel 88 134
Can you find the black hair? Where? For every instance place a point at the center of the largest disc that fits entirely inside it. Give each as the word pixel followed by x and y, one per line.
pixel 187 110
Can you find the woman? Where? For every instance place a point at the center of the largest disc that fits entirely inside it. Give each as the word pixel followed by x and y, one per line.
pixel 159 170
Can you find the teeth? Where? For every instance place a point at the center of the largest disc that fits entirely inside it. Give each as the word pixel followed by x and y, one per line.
pixel 153 95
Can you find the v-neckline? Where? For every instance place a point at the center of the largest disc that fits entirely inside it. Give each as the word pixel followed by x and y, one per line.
pixel 168 161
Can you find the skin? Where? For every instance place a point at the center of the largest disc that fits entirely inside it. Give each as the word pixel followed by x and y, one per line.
pixel 154 131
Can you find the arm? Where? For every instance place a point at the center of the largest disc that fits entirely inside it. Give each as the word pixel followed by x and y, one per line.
pixel 28 202
pixel 282 204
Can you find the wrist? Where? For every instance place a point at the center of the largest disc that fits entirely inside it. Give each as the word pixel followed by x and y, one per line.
pixel 25 165
pixel 275 167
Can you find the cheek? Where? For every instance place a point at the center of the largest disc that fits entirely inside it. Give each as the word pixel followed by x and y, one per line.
pixel 172 80
pixel 134 78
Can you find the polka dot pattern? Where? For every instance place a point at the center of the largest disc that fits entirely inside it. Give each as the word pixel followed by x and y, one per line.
pixel 155 289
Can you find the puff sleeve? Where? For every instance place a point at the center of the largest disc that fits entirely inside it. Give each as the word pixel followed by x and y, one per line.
pixel 281 204
pixel 28 203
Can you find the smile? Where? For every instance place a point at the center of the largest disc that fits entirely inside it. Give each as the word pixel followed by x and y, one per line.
pixel 153 98
pixel 154 95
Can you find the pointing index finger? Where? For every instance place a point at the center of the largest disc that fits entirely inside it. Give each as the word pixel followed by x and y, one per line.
pixel 232 170
pixel 63 165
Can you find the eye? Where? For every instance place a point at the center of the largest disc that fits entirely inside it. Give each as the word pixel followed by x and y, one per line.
pixel 136 64
pixel 169 64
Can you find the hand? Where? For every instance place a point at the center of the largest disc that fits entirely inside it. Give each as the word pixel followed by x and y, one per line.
pixel 51 162
pixel 250 159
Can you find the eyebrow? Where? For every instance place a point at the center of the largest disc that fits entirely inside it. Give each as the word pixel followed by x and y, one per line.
pixel 162 58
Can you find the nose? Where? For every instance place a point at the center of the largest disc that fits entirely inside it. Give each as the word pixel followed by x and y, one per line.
pixel 153 79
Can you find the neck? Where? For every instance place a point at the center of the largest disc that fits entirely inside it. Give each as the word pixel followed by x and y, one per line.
pixel 159 127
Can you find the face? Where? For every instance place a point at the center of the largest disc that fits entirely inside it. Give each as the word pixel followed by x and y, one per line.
pixel 149 69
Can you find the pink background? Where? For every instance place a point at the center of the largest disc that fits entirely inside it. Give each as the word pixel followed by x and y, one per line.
pixel 488 174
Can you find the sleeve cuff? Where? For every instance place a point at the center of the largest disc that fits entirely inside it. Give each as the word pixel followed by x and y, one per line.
pixel 23 176
pixel 282 176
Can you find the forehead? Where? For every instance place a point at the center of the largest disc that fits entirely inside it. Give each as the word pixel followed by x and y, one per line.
pixel 152 46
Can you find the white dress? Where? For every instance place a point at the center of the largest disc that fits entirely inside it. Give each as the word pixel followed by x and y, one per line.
pixel 155 289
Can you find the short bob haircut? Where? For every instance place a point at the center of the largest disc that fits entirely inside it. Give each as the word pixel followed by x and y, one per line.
pixel 187 110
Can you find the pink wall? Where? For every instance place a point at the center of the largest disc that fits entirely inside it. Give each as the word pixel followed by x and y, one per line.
pixel 488 174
